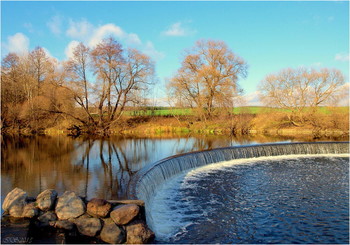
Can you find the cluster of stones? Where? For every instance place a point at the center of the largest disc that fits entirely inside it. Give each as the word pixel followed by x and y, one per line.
pixel 112 222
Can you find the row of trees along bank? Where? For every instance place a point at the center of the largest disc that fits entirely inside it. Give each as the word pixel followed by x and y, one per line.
pixel 96 85
pixel 93 87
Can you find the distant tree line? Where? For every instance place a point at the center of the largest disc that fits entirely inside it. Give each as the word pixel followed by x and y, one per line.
pixel 96 85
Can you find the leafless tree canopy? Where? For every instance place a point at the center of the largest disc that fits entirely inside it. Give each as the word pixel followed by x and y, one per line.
pixel 93 87
pixel 298 89
pixel 208 77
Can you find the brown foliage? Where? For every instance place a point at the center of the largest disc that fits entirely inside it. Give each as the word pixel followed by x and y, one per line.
pixel 120 77
pixel 37 91
pixel 298 89
pixel 208 77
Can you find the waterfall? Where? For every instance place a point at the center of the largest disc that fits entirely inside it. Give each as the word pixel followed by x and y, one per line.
pixel 146 181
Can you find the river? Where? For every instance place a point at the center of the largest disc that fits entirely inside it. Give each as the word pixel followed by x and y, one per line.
pixel 97 167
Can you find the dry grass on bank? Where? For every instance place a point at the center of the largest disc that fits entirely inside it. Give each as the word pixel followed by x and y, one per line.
pixel 241 124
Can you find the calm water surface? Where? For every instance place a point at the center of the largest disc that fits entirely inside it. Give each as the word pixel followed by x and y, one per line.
pixel 95 168
pixel 92 168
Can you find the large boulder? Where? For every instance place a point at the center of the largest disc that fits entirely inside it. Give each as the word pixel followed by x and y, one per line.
pixel 137 232
pixel 14 202
pixel 69 205
pixel 88 226
pixel 98 207
pixel 46 218
pixel 46 199
pixel 123 214
pixel 111 233
pixel 63 224
pixel 30 210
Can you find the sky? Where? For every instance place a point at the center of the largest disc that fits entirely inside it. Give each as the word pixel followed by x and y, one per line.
pixel 269 36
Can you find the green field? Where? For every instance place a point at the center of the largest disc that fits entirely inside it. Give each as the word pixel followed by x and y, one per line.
pixel 163 111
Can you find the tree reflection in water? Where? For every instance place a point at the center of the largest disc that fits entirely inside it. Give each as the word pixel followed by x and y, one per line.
pixel 93 167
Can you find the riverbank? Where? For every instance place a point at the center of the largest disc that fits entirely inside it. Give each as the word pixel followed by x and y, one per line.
pixel 154 127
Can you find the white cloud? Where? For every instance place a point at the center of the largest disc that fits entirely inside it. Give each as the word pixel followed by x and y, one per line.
pixel 80 30
pixel 133 39
pixel 90 35
pixel 152 52
pixel 70 48
pixel 342 57
pixel 178 30
pixel 175 30
pixel 55 24
pixel 113 30
pixel 18 43
pixel 105 31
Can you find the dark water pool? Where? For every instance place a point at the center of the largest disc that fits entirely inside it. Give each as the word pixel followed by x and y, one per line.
pixel 268 200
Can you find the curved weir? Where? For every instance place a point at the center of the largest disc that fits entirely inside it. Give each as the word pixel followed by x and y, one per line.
pixel 147 180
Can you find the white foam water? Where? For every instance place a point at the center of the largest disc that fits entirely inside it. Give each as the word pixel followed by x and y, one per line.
pixel 171 210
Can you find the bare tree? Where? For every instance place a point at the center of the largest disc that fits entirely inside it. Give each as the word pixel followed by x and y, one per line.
pixel 12 91
pixel 77 67
pixel 298 89
pixel 208 77
pixel 41 65
pixel 107 65
pixel 29 84
pixel 120 76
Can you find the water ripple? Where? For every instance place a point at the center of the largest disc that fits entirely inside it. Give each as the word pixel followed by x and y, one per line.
pixel 279 200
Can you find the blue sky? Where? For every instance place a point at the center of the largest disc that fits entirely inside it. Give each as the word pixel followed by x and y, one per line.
pixel 270 36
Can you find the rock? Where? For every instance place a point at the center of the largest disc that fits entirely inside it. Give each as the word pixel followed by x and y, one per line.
pixel 118 202
pixel 64 224
pixel 111 233
pixel 14 202
pixel 46 199
pixel 123 214
pixel 46 218
pixel 88 226
pixel 30 210
pixel 138 232
pixel 69 205
pixel 98 207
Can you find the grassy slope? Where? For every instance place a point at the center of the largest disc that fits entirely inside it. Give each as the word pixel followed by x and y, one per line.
pixel 237 110
pixel 256 119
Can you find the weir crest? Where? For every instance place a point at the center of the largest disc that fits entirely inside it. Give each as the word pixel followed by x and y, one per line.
pixel 146 182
